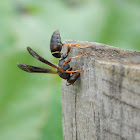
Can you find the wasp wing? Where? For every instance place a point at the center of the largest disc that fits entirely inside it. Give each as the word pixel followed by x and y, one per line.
pixel 33 69
pixel 35 55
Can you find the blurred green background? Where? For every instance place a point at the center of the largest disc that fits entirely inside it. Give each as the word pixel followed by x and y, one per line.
pixel 30 104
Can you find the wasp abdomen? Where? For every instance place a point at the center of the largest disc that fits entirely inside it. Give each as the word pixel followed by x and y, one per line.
pixel 56 44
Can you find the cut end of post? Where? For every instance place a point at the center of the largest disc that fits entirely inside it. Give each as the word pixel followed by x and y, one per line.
pixel 106 93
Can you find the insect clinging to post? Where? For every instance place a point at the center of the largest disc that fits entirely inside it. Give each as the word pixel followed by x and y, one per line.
pixel 63 69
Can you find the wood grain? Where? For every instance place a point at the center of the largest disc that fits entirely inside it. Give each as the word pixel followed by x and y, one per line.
pixel 104 103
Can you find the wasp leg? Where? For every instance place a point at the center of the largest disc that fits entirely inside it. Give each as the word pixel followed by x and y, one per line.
pixel 68 50
pixel 76 45
pixel 70 71
pixel 72 44
pixel 74 71
pixel 83 47
pixel 73 57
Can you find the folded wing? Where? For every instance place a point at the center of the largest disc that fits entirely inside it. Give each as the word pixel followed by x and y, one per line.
pixel 33 69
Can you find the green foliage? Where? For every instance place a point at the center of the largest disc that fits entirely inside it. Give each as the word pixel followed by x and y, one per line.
pixel 30 104
pixel 25 104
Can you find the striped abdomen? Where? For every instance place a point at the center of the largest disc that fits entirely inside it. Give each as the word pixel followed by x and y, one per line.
pixel 55 44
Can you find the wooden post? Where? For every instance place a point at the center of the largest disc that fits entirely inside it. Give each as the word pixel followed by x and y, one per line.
pixel 104 103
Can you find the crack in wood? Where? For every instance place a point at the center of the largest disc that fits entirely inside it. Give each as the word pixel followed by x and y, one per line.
pixel 123 102
pixel 112 133
pixel 117 84
pixel 75 115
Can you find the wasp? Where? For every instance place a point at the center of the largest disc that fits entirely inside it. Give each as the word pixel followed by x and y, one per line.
pixel 63 69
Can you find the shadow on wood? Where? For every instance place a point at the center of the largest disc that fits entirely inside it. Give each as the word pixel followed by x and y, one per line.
pixel 104 103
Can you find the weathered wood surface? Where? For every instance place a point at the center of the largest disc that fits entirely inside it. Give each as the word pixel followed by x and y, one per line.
pixel 104 103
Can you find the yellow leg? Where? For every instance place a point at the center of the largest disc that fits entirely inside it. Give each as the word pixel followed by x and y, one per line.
pixel 68 50
pixel 67 71
pixel 76 45
pixel 73 57
pixel 83 47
